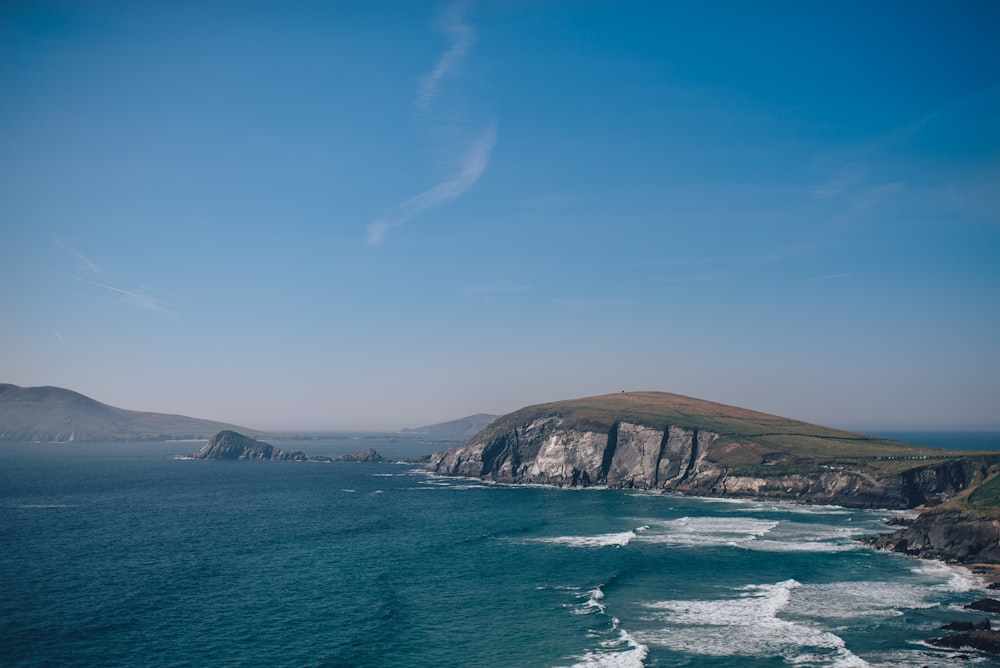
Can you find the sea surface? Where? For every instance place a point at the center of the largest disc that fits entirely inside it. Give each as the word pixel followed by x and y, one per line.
pixel 131 555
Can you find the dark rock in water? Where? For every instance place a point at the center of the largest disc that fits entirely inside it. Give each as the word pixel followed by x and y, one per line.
pixel 994 585
pixel 958 626
pixel 947 534
pixel 231 445
pixel 985 605
pixel 319 458
pixel 367 455
pixel 984 641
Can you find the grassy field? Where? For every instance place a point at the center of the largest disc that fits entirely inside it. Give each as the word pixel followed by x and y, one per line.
pixel 985 498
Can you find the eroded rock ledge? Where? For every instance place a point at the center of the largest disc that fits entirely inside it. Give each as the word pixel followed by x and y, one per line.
pixel 950 535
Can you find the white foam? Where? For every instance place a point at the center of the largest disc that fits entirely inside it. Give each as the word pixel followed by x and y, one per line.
pixel 850 600
pixel 709 531
pixel 745 626
pixel 623 652
pixel 952 578
pixel 601 540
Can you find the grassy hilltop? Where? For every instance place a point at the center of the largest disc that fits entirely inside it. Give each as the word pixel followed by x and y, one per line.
pixel 750 442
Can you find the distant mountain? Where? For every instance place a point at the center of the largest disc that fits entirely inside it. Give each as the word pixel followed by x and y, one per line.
pixel 461 428
pixel 57 415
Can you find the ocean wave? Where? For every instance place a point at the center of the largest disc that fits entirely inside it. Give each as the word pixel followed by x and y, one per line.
pixel 956 579
pixel 592 604
pixel 708 531
pixel 622 652
pixel 852 600
pixel 600 540
pixel 745 626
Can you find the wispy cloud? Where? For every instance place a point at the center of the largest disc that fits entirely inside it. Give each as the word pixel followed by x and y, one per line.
pixel 86 264
pixel 136 299
pixel 830 277
pixel 470 168
pixel 841 179
pixel 461 37
pixel 876 194
pixel 494 287
pixel 693 278
pixel 592 304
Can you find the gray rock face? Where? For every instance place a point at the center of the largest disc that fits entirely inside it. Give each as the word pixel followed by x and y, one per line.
pixel 367 455
pixel 950 535
pixel 231 445
pixel 680 459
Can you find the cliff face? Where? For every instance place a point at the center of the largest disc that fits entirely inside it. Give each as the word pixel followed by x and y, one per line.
pixel 688 460
pixel 947 534
pixel 231 445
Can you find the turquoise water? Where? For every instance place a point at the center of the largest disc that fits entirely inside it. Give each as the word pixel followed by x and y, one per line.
pixel 127 555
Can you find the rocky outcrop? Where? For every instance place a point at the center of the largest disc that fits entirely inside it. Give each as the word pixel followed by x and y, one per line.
pixel 549 450
pixel 983 640
pixel 947 534
pixel 231 445
pixel 367 455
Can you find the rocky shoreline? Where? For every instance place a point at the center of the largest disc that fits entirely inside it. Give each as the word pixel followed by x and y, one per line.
pixel 951 535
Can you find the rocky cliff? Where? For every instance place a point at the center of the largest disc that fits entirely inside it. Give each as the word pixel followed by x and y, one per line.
pixel 948 534
pixel 231 445
pixel 665 442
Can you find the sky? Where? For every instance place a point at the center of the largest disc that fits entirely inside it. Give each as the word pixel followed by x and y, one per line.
pixel 369 215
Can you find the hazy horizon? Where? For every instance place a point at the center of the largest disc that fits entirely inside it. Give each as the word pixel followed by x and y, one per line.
pixel 368 216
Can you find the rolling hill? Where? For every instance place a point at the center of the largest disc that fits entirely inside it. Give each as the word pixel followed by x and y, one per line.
pixel 57 415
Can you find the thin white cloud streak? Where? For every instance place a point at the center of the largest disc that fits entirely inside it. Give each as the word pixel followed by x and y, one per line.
pixel 693 278
pixel 470 168
pixel 135 299
pixel 461 37
pixel 85 262
pixel 831 277
pixel 841 179
pixel 875 195
pixel 494 287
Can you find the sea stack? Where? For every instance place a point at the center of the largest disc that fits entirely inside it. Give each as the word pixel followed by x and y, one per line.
pixel 231 445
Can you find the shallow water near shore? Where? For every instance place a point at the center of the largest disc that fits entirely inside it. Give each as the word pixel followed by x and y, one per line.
pixel 131 555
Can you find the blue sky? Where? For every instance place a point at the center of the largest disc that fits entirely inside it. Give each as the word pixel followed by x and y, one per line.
pixel 311 215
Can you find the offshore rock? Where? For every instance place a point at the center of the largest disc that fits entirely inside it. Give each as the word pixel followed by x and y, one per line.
pixel 367 455
pixel 985 605
pixel 947 534
pixel 231 445
pixel 982 640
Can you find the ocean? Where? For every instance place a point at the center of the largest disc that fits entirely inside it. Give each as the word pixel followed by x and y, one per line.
pixel 130 555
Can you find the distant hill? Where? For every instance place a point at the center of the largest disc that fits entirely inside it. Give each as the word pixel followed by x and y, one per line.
pixel 656 440
pixel 57 415
pixel 461 428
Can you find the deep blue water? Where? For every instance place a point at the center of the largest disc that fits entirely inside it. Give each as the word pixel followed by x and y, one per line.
pixel 126 555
